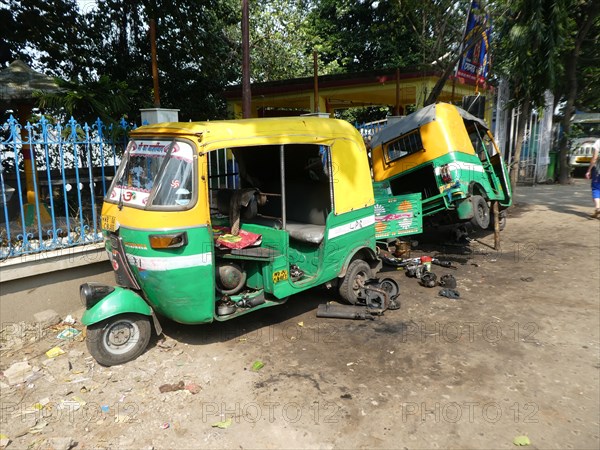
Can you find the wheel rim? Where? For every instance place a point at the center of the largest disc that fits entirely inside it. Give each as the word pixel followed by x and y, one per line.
pixel 121 337
pixel 481 214
pixel 390 287
pixel 359 281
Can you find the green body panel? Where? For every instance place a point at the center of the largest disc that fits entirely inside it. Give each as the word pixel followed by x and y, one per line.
pixel 254 275
pixel 178 283
pixel 344 236
pixel 469 174
pixel 120 301
pixel 396 216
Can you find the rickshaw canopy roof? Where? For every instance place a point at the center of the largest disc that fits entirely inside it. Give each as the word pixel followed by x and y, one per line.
pixel 279 130
pixel 417 119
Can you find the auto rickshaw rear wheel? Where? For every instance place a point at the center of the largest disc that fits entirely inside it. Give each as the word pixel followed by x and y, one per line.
pixel 357 273
pixel 118 339
pixel 481 212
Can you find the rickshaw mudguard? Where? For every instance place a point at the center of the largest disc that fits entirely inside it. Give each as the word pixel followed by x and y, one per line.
pixel 464 208
pixel 368 254
pixel 120 301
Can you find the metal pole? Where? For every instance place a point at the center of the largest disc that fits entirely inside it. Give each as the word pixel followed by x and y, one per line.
pixel 246 95
pixel 154 63
pixel 496 213
pixel 316 80
pixel 282 170
pixel 397 107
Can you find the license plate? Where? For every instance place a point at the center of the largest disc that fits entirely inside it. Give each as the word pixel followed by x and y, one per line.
pixel 109 223
pixel 280 275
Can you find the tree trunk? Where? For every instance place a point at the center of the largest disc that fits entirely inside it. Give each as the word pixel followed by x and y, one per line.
pixel 589 14
pixel 523 118
pixel 571 78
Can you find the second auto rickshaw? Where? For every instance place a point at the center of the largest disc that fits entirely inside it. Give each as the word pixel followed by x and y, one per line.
pixel 450 157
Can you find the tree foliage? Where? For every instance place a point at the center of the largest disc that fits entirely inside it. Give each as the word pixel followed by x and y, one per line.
pixel 98 44
pixel 109 41
pixel 588 95
pixel 529 46
pixel 279 40
pixel 530 43
pixel 102 99
pixel 354 36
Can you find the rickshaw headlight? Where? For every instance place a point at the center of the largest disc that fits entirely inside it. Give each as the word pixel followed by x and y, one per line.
pixel 172 240
pixel 92 293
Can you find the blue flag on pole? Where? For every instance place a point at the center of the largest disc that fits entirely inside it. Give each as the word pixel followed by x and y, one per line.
pixel 474 64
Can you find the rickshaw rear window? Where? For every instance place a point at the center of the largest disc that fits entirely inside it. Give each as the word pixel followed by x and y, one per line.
pixel 405 145
pixel 155 173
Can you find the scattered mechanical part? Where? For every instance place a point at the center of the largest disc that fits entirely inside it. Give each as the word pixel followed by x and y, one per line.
pixel 373 297
pixel 295 272
pixel 428 279
pixel 449 293
pixel 448 281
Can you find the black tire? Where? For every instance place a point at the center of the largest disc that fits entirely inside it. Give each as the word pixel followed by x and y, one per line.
pixel 481 212
pixel 358 272
pixel 118 339
pixel 502 220
pixel 390 287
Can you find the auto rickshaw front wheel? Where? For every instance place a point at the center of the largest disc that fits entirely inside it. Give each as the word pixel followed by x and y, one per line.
pixel 357 273
pixel 118 339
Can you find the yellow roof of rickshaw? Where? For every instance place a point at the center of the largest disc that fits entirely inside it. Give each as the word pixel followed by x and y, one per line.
pixel 311 128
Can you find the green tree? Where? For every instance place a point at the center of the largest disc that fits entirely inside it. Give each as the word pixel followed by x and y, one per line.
pixel 279 40
pixel 44 34
pixel 353 36
pixel 102 99
pixel 196 57
pixel 110 42
pixel 588 73
pixel 530 43
pixel 366 35
pixel 583 19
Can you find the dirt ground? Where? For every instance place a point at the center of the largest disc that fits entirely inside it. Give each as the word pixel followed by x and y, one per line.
pixel 516 355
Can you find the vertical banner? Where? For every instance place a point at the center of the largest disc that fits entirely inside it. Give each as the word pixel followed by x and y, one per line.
pixel 474 64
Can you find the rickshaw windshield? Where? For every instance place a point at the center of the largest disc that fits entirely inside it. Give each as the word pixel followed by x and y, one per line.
pixel 155 173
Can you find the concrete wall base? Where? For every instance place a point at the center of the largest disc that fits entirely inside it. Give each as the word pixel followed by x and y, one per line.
pixel 49 280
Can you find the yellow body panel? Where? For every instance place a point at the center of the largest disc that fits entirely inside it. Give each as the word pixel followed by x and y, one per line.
pixel 136 218
pixel 447 133
pixel 352 185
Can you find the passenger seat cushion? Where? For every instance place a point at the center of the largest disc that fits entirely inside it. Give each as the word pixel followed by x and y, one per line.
pixel 306 232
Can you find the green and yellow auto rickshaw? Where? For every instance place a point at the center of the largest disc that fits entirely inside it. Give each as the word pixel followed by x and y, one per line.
pixel 448 156
pixel 297 212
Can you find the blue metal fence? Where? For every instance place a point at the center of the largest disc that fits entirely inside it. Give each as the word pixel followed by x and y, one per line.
pixel 53 176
